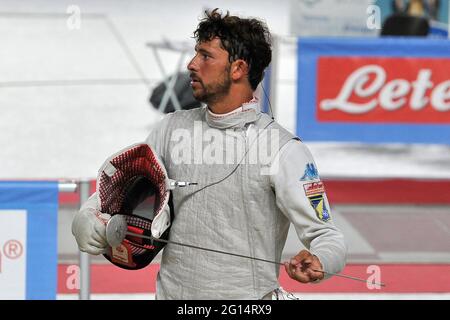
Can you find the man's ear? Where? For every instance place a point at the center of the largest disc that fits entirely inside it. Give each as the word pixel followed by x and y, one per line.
pixel 239 69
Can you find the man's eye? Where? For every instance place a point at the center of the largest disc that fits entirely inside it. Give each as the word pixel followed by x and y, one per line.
pixel 205 57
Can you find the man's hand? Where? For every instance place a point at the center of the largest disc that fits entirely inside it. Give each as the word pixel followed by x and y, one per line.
pixel 301 267
pixel 89 229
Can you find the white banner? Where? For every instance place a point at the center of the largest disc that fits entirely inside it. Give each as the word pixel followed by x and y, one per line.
pixel 334 18
pixel 13 262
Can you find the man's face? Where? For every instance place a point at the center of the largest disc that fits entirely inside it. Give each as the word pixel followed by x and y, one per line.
pixel 210 72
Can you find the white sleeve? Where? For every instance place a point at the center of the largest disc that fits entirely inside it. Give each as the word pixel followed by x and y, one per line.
pixel 300 195
pixel 156 139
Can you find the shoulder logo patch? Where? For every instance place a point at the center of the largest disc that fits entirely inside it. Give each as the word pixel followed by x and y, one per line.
pixel 311 172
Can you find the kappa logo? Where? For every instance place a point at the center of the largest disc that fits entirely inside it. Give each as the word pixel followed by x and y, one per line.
pixel 311 172
pixel 318 203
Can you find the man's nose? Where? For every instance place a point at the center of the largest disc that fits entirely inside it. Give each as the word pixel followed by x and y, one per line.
pixel 192 65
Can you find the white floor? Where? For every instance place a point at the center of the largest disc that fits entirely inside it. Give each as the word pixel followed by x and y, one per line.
pixel 302 296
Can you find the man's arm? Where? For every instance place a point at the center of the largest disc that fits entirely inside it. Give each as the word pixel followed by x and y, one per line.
pixel 301 196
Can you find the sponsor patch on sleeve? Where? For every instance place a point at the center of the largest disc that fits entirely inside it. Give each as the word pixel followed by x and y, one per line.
pixel 314 188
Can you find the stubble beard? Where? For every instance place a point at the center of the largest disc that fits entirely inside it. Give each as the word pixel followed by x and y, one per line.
pixel 213 92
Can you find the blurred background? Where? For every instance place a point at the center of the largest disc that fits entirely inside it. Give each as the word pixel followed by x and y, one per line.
pixel 365 84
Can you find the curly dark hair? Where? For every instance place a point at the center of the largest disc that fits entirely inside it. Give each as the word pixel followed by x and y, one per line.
pixel 246 39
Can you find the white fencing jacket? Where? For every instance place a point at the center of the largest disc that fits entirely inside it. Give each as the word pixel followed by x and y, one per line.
pixel 254 179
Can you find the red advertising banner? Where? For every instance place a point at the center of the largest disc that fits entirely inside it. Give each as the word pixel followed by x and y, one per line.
pixel 383 90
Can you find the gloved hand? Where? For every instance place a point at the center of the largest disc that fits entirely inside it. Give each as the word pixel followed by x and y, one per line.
pixel 89 229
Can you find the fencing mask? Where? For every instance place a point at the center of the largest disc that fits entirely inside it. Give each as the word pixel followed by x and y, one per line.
pixel 134 183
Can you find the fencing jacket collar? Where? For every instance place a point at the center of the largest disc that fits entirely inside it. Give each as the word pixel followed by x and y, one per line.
pixel 238 118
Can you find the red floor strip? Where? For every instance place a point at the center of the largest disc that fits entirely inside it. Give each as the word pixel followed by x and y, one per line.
pixel 399 278
pixel 388 191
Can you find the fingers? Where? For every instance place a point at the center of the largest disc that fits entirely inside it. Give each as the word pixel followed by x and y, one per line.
pixel 314 275
pixel 92 246
pixel 296 273
pixel 303 257
pixel 99 233
pixel 103 217
pixel 302 266
pixel 93 250
pixel 95 243
pixel 89 229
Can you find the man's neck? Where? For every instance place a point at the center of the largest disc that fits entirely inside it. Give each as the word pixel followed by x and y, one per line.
pixel 231 102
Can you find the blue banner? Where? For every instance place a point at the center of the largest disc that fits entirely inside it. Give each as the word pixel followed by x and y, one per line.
pixel 28 240
pixel 411 104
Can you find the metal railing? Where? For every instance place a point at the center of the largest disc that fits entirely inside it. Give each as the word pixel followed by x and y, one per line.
pixel 83 186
